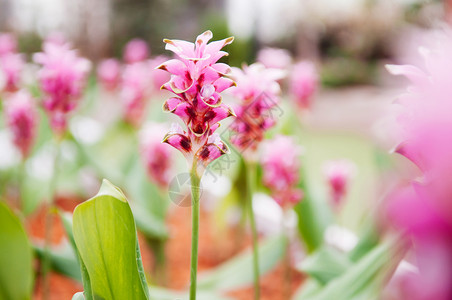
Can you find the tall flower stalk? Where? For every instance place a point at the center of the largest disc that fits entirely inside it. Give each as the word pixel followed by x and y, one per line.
pixel 62 78
pixel 281 174
pixel 257 90
pixel 197 81
pixel 22 118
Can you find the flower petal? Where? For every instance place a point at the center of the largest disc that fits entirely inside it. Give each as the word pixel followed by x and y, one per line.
pixel 178 141
pixel 180 108
pixel 223 83
pixel 174 66
pixel 180 47
pixel 217 114
pixel 212 151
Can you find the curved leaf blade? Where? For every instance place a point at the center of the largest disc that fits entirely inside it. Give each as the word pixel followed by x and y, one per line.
pixel 16 277
pixel 105 236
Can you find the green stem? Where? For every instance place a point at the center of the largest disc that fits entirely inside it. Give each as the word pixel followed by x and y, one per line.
pixel 21 185
pixel 251 181
pixel 195 182
pixel 46 263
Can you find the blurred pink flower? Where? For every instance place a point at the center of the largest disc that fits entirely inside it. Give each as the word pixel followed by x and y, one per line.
pixel 8 44
pixel 155 154
pixel 62 78
pixel 159 77
pixel 303 83
pixel 109 74
pixel 274 58
pixel 197 81
pixel 258 92
pixel 11 66
pixel 22 118
pixel 424 210
pixel 136 50
pixel 338 174
pixel 281 167
pixel 136 89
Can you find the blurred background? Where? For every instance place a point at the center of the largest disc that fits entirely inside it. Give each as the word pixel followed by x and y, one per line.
pixel 347 36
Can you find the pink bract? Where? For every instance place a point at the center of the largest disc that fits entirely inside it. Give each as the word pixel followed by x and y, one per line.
pixel 62 78
pixel 155 154
pixel 338 174
pixel 281 165
pixel 274 58
pixel 109 74
pixel 303 83
pixel 197 81
pixel 136 50
pixel 136 88
pixel 11 65
pixel 258 93
pixel 22 118
pixel 8 44
pixel 424 210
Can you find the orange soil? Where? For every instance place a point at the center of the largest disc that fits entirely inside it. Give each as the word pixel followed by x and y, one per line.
pixel 214 248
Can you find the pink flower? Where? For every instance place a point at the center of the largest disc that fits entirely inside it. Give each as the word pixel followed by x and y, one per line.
pixel 258 92
pixel 22 118
pixel 281 167
pixel 8 44
pixel 197 81
pixel 11 65
pixel 136 88
pixel 109 74
pixel 274 58
pixel 62 79
pixel 136 50
pixel 424 210
pixel 303 83
pixel 155 154
pixel 338 174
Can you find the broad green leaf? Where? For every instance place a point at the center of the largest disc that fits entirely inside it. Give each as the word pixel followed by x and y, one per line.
pixel 105 236
pixel 237 272
pixel 325 264
pixel 66 218
pixel 157 293
pixel 16 276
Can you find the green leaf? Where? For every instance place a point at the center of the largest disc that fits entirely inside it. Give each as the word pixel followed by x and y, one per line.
pixel 66 219
pixel 325 264
pixel 149 206
pixel 364 279
pixel 62 260
pixel 16 275
pixel 237 272
pixel 105 236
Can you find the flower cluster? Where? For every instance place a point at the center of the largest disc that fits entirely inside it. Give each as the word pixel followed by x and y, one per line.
pixel 109 74
pixel 274 58
pixel 136 50
pixel 136 87
pixel 22 115
pixel 62 78
pixel 156 156
pixel 338 174
pixel 11 63
pixel 281 167
pixel 303 83
pixel 424 209
pixel 197 81
pixel 258 92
